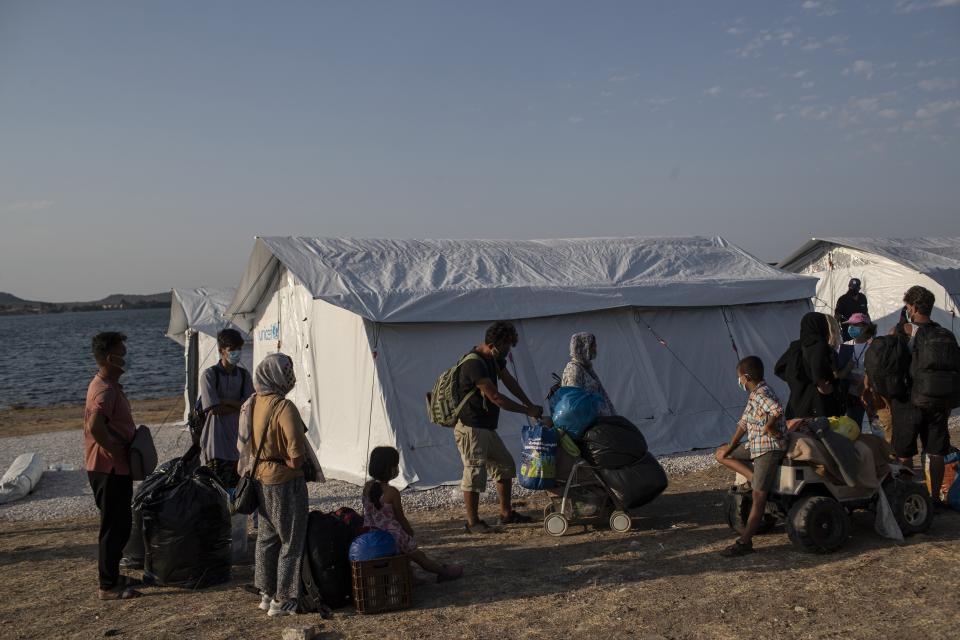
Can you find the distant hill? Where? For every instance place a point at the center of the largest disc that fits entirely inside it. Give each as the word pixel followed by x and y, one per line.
pixel 8 299
pixel 13 305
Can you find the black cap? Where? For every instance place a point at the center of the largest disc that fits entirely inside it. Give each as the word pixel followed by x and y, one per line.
pixel 854 284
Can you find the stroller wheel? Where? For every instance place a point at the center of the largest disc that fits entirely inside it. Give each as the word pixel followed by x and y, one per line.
pixel 555 524
pixel 620 522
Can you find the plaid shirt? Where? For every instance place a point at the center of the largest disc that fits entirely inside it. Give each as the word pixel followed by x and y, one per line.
pixel 762 404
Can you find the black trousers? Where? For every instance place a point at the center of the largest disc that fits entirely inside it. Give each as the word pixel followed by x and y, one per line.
pixel 113 494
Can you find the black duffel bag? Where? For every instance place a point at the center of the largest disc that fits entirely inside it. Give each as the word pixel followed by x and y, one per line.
pixel 613 442
pixel 325 571
pixel 638 484
pixel 186 524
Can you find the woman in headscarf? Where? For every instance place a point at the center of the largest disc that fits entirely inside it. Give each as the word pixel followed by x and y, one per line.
pixel 812 391
pixel 270 420
pixel 579 371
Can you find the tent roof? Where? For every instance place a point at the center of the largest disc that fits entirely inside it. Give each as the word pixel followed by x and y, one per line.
pixel 463 280
pixel 199 309
pixel 938 258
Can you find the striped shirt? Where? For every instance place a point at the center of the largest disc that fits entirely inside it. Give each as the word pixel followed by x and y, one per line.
pixel 761 405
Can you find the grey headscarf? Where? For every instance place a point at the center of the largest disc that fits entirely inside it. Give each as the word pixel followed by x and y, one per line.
pixel 579 371
pixel 274 376
pixel 580 346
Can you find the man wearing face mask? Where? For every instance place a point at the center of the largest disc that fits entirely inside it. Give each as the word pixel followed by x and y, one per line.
pixel 224 388
pixel 850 303
pixel 920 415
pixel 481 449
pixel 108 429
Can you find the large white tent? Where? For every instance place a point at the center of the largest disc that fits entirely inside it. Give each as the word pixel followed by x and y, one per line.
pixel 196 316
pixel 371 323
pixel 887 267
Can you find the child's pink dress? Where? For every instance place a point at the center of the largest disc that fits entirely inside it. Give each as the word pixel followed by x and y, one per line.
pixel 385 519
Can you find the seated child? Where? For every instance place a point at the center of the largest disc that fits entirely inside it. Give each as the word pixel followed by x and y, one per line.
pixel 382 510
pixel 759 459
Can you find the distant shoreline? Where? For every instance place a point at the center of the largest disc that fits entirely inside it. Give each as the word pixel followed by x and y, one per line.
pixel 59 308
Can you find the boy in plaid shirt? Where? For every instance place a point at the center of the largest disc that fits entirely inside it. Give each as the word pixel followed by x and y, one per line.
pixel 758 460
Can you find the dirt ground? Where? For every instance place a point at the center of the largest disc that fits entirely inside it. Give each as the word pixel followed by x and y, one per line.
pixel 662 580
pixel 27 421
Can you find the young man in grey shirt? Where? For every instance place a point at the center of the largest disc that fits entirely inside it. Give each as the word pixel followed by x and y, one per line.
pixel 224 388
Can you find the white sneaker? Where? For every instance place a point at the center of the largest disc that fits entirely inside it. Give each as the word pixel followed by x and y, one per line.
pixel 288 608
pixel 264 602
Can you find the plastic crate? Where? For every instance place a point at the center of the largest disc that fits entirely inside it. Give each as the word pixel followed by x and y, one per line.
pixel 380 585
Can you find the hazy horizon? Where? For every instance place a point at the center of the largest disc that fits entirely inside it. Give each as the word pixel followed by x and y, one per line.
pixel 145 146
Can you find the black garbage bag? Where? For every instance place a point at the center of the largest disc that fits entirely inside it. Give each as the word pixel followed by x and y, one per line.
pixel 186 524
pixel 133 551
pixel 637 484
pixel 325 571
pixel 613 442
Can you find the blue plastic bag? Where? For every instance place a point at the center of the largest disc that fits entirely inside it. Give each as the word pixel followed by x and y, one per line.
pixel 573 409
pixel 538 462
pixel 372 545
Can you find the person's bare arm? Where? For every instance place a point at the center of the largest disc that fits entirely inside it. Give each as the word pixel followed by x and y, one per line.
pixel 514 387
pixel 490 392
pixel 772 420
pixel 97 426
pixel 392 497
pixel 735 440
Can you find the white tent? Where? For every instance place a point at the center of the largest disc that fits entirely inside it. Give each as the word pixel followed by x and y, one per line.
pixel 886 267
pixel 371 323
pixel 196 316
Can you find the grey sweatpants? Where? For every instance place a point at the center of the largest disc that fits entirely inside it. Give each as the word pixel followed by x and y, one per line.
pixel 281 538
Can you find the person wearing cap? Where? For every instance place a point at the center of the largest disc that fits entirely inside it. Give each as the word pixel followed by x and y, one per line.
pixel 850 359
pixel 850 303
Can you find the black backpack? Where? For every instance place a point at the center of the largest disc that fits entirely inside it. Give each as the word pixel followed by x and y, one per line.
pixel 325 570
pixel 887 363
pixel 789 367
pixel 935 369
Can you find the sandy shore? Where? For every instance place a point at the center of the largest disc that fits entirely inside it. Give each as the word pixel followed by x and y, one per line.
pixel 30 420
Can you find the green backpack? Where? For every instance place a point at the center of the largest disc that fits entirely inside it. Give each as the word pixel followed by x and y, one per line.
pixel 443 405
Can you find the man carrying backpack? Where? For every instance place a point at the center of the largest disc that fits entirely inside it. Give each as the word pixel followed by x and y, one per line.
pixel 934 383
pixel 481 449
pixel 224 388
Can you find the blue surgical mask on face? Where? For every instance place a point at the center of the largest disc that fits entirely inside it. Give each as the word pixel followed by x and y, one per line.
pixel 233 357
pixel 855 331
pixel 740 384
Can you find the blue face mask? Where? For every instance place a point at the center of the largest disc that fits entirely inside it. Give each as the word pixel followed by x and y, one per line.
pixel 233 357
pixel 741 385
pixel 855 331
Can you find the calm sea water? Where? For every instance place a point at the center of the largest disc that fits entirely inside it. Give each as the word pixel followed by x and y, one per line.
pixel 46 359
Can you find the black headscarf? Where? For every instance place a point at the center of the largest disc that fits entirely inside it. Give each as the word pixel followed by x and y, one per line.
pixel 817 354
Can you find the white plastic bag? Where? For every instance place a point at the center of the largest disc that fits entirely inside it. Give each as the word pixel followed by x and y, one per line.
pixel 885 523
pixel 22 477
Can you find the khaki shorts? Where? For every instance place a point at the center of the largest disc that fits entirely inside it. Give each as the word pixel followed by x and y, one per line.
pixel 766 466
pixel 482 451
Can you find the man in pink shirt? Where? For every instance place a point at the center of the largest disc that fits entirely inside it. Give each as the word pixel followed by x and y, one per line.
pixel 108 429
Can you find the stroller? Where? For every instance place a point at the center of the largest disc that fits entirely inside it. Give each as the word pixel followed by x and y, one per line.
pixel 582 497
pixel 615 473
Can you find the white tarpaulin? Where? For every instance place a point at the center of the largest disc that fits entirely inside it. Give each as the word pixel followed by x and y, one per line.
pixel 668 365
pixel 200 312
pixel 467 280
pixel 886 267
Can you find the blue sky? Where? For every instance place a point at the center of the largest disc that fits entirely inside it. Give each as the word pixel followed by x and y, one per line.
pixel 143 146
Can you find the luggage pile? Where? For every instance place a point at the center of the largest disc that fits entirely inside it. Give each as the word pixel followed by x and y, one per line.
pixel 186 524
pixel 617 449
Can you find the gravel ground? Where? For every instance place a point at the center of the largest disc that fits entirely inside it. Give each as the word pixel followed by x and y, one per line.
pixel 66 493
